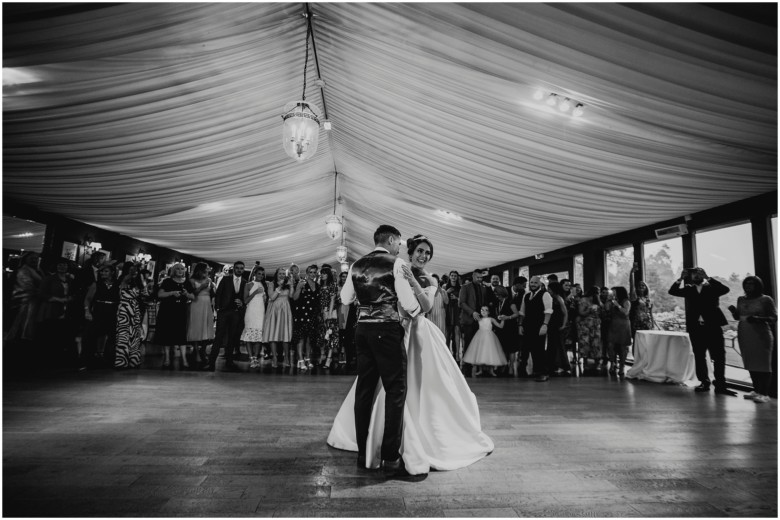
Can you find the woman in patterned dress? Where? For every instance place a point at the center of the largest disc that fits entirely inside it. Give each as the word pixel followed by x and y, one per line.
pixel 254 316
pixel 129 332
pixel 277 327
pixel 200 314
pixel 27 280
pixel 641 306
pixel 330 302
pixel 305 317
pixel 589 328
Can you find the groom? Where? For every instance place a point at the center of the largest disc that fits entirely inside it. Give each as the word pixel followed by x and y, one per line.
pixel 378 284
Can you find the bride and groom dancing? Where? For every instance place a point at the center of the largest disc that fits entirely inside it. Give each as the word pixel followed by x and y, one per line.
pixel 410 409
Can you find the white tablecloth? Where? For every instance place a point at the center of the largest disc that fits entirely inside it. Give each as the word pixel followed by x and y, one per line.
pixel 663 357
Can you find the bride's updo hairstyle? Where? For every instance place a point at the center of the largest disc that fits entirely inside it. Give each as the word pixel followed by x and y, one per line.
pixel 412 243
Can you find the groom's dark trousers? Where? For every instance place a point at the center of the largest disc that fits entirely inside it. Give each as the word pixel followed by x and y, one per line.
pixel 380 354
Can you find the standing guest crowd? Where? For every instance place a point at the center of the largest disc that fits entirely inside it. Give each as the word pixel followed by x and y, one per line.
pixel 291 322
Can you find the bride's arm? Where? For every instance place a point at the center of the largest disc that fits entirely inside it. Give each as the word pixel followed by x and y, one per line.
pixel 426 298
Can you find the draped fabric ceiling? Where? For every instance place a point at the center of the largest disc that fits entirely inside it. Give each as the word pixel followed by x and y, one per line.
pixel 162 122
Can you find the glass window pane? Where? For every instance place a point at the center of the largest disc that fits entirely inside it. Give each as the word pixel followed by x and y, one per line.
pixel 619 263
pixel 523 271
pixel 663 262
pixel 579 262
pixel 506 278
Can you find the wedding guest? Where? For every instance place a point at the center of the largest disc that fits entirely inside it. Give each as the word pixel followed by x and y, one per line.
pixel 25 301
pixel 229 303
pixel 605 294
pixel 485 350
pixel 757 317
pixel 589 330
pixel 347 322
pixel 471 298
pixel 452 335
pixel 535 314
pixel 519 360
pixel 57 315
pixel 557 358
pixel 200 315
pixel 703 322
pixel 254 316
pixel 507 312
pixel 129 332
pixel 174 294
pixel 328 323
pixel 305 317
pixel 438 313
pixel 277 327
pixel 100 309
pixel 641 306
pixel 619 331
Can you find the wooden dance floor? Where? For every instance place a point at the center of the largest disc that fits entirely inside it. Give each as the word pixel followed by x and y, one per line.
pixel 157 443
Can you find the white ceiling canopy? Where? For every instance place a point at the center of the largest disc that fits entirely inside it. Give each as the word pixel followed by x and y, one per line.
pixel 162 122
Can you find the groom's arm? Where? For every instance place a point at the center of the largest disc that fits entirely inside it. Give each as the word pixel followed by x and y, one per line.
pixel 404 291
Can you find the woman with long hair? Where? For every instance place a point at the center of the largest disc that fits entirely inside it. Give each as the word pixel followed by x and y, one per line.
pixel 641 305
pixel 557 358
pixel 330 302
pixel 129 332
pixel 25 299
pixel 453 315
pixel 757 317
pixel 589 330
pixel 619 331
pixel 277 327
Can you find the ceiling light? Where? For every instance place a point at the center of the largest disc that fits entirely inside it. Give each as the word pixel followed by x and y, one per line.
pixel 448 215
pixel 344 267
pixel 333 226
pixel 578 110
pixel 301 129
pixel 539 95
pixel 552 99
pixel 564 105
pixel 341 254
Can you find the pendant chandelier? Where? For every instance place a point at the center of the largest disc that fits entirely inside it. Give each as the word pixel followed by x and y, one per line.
pixel 333 225
pixel 301 129
pixel 341 251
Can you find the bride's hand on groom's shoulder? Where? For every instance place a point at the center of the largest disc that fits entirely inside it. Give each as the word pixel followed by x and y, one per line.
pixel 407 272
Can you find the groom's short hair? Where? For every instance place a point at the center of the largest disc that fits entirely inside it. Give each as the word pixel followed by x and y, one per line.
pixel 384 232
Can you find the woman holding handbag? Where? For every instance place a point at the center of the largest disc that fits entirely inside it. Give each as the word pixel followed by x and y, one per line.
pixel 329 318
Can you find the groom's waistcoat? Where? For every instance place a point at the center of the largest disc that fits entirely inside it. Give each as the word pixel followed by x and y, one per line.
pixel 372 277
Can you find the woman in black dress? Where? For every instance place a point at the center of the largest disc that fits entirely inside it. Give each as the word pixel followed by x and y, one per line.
pixel 171 328
pixel 100 309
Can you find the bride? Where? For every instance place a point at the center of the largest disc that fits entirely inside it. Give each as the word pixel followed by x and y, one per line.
pixel 441 428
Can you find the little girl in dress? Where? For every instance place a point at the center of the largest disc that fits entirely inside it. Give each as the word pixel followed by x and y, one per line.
pixel 485 348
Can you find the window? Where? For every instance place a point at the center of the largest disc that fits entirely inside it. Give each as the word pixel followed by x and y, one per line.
pixel 663 262
pixel 726 254
pixel 523 271
pixel 579 262
pixel 506 278
pixel 619 263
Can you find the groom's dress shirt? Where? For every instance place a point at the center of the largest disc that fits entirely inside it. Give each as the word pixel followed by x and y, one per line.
pixel 403 290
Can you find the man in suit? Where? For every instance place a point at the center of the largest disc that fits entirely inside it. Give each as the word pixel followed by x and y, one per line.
pixel 229 302
pixel 535 314
pixel 378 283
pixel 703 320
pixel 471 298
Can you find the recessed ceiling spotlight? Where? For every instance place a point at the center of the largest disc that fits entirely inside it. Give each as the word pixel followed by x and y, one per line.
pixel 578 110
pixel 564 105
pixel 539 94
pixel 552 99
pixel 448 215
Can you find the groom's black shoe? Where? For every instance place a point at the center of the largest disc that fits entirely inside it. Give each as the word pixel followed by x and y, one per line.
pixel 394 468
pixel 361 462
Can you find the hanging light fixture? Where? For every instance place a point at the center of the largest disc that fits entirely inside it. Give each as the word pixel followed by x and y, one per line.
pixel 341 254
pixel 333 226
pixel 301 129
pixel 344 267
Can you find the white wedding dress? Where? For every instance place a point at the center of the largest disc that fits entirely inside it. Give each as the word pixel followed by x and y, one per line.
pixel 442 430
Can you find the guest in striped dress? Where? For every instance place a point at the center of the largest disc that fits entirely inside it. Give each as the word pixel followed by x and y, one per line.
pixel 129 332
